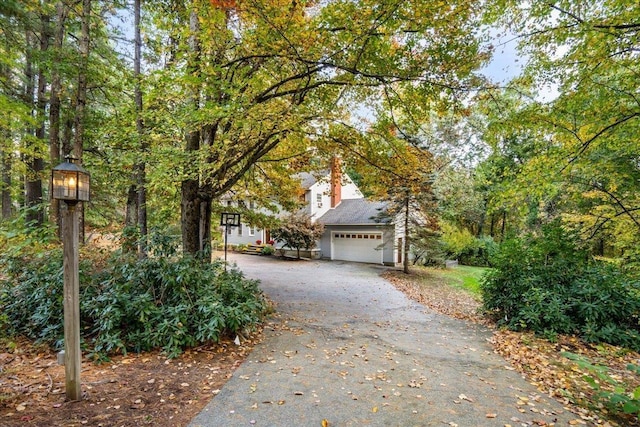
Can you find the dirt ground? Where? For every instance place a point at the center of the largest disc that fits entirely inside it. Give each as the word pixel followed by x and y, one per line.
pixel 133 390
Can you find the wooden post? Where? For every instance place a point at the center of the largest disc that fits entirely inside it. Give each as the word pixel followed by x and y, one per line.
pixel 72 353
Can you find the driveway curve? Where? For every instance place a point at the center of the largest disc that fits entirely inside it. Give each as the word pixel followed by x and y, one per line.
pixel 348 349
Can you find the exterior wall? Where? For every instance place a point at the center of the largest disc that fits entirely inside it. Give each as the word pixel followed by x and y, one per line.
pixel 243 235
pixel 388 239
pixel 318 196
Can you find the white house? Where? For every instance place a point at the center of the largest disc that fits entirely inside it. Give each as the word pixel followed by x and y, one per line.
pixel 355 229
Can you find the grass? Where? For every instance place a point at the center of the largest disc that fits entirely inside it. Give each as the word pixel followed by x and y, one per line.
pixel 462 276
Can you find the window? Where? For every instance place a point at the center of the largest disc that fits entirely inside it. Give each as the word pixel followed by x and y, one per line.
pixel 319 200
pixel 252 205
pixel 229 202
pixel 251 231
pixel 240 229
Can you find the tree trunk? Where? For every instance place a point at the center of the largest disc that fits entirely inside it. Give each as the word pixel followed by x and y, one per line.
pixel 131 213
pixel 30 198
pixel 141 166
pixel 5 161
pixel 190 198
pixel 81 97
pixel 5 187
pixel 33 186
pixel 54 105
pixel 407 243
pixel 190 220
pixel 493 224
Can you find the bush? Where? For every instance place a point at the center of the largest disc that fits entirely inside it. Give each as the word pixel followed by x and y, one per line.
pixel 546 284
pixel 267 250
pixel 460 244
pixel 131 305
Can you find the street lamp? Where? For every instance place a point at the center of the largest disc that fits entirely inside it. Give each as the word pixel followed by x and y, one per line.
pixel 71 184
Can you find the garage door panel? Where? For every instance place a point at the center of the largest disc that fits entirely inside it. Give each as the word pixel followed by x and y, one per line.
pixel 359 247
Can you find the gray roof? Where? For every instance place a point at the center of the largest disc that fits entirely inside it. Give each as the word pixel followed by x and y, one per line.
pixel 307 179
pixel 355 212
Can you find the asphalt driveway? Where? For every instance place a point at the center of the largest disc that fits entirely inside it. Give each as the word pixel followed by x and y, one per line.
pixel 348 349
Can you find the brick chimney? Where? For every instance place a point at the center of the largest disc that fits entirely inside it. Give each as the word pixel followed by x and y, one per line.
pixel 336 181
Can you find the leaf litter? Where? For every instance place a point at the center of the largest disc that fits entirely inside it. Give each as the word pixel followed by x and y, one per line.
pixel 539 360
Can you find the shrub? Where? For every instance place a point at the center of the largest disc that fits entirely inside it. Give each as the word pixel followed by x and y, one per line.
pixel 132 304
pixel 614 395
pixel 267 250
pixel 548 285
pixel 298 231
pixel 460 244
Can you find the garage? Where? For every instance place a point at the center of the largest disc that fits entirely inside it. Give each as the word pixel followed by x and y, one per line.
pixel 357 246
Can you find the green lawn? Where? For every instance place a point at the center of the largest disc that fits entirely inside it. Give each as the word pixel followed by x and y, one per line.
pixel 461 276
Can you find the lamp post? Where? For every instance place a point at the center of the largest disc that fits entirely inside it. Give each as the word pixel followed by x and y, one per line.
pixel 70 183
pixel 228 219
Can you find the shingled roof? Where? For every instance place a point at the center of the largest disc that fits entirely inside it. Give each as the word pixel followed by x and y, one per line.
pixel 307 179
pixel 355 212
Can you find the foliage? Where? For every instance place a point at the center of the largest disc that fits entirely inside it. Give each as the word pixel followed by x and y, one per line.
pixel 573 116
pixel 620 398
pixel 298 231
pixel 460 244
pixel 131 305
pixel 426 247
pixel 20 236
pixel 267 250
pixel 547 284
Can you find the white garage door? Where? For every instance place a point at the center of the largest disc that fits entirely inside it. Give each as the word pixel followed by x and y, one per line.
pixel 359 247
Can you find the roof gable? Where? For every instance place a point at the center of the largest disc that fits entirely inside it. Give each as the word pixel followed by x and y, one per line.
pixel 356 212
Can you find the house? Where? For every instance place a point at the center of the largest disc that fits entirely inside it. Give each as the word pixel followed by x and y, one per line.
pixel 355 230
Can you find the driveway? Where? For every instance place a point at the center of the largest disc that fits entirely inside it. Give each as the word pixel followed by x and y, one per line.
pixel 348 349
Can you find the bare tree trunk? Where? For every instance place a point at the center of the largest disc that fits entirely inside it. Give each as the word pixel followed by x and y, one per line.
pixel 407 243
pixel 28 96
pixel 54 105
pixel 141 166
pixel 5 162
pixel 81 98
pixel 33 186
pixel 5 187
pixel 190 202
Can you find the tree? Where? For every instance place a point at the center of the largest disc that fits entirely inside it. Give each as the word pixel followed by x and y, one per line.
pixel 265 74
pixel 396 167
pixel 583 136
pixel 298 231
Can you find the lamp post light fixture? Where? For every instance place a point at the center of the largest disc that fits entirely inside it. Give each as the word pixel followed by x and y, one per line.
pixel 70 183
pixel 228 219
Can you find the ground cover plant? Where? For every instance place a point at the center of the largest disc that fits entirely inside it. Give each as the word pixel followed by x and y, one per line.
pixel 164 301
